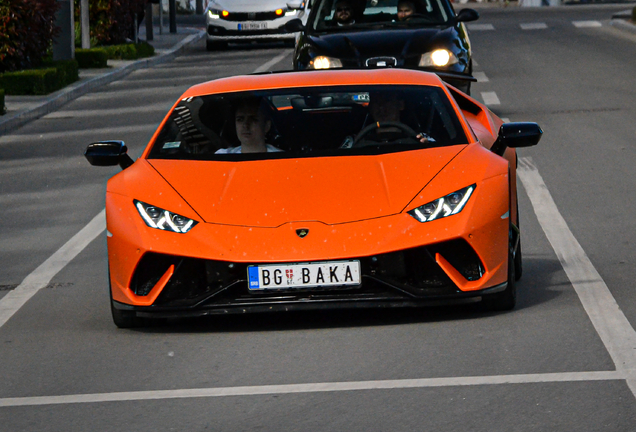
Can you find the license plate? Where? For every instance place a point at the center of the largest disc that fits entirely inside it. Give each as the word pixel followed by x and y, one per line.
pixel 253 26
pixel 307 275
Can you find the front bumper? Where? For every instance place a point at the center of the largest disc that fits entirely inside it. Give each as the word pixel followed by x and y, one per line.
pixel 403 262
pixel 236 31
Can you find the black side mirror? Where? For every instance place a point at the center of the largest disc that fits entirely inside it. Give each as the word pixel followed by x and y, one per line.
pixel 108 153
pixel 515 135
pixel 294 26
pixel 467 15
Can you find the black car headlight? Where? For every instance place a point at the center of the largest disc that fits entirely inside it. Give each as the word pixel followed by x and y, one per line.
pixel 324 62
pixel 448 205
pixel 438 58
pixel 164 220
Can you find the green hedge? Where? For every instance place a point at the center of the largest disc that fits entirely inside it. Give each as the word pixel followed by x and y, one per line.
pixel 129 51
pixel 91 58
pixel 3 109
pixel 54 76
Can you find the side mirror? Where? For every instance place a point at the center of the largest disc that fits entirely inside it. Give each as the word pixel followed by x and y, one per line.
pixel 294 26
pixel 516 135
pixel 467 15
pixel 297 4
pixel 108 153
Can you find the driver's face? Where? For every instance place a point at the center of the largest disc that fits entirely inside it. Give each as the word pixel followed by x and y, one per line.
pixel 251 127
pixel 405 9
pixel 344 12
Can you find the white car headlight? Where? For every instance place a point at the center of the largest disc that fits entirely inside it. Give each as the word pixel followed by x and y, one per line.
pixel 438 58
pixel 446 206
pixel 324 62
pixel 161 219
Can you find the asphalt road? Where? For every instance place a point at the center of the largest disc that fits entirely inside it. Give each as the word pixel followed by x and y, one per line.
pixel 561 361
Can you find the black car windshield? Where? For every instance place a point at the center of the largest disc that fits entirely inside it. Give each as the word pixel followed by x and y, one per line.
pixel 354 15
pixel 309 122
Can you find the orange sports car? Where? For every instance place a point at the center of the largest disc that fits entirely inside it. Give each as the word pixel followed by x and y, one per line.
pixel 316 189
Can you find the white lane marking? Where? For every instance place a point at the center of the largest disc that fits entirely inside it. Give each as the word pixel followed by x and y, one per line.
pixel 587 24
pixel 264 67
pixel 533 26
pixel 97 132
pixel 490 98
pixel 480 27
pixel 312 388
pixel 42 275
pixel 480 76
pixel 609 321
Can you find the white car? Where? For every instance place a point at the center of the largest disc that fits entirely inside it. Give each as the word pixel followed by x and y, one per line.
pixel 247 20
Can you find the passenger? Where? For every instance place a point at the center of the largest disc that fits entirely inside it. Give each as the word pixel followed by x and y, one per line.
pixel 405 9
pixel 252 125
pixel 344 13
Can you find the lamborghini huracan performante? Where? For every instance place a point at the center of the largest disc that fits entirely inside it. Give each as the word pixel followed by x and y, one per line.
pixel 374 188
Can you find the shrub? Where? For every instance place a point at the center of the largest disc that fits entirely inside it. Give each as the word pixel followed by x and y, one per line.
pixel 130 51
pixel 26 31
pixel 111 21
pixel 40 81
pixel 91 58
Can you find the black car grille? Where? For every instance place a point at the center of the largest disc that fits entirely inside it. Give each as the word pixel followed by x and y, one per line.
pixel 406 274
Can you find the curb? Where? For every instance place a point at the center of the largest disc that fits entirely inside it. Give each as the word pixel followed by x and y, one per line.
pixel 623 25
pixel 78 89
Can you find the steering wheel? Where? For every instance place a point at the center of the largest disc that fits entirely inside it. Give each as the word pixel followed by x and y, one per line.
pixel 408 132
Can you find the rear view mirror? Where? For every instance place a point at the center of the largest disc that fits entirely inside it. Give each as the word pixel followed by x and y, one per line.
pixel 467 15
pixel 108 153
pixel 516 135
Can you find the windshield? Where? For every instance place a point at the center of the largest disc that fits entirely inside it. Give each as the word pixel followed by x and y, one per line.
pixel 334 15
pixel 309 122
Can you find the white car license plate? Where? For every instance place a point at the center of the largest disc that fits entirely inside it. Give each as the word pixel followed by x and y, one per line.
pixel 253 26
pixel 307 275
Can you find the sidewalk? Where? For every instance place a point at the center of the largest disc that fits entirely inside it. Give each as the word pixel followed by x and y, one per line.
pixel 23 109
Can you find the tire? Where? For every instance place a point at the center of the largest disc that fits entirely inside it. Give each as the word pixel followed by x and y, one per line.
pixel 506 299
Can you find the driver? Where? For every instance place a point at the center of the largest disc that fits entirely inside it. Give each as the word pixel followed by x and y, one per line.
pixel 252 125
pixel 386 107
pixel 343 13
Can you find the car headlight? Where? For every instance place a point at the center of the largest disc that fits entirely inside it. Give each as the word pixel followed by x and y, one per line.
pixel 161 219
pixel 438 58
pixel 324 62
pixel 217 13
pixel 446 206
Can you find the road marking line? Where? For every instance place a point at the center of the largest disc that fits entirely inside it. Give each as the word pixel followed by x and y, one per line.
pixel 480 27
pixel 265 66
pixel 587 24
pixel 312 388
pixel 610 323
pixel 533 26
pixel 490 98
pixel 481 76
pixel 41 276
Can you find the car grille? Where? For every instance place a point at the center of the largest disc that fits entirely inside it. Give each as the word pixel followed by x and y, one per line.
pixel 407 274
pixel 252 16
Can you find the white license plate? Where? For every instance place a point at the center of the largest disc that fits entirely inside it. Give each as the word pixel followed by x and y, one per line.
pixel 253 26
pixel 307 275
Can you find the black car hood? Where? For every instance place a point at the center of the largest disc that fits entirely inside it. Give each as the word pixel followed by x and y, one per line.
pixel 399 43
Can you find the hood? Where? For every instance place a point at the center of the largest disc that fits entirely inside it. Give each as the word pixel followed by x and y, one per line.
pixel 331 190
pixel 399 43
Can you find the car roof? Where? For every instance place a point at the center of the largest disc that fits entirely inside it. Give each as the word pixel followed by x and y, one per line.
pixel 320 78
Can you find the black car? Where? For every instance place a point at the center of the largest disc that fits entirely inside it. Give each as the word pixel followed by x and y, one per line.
pixel 416 34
